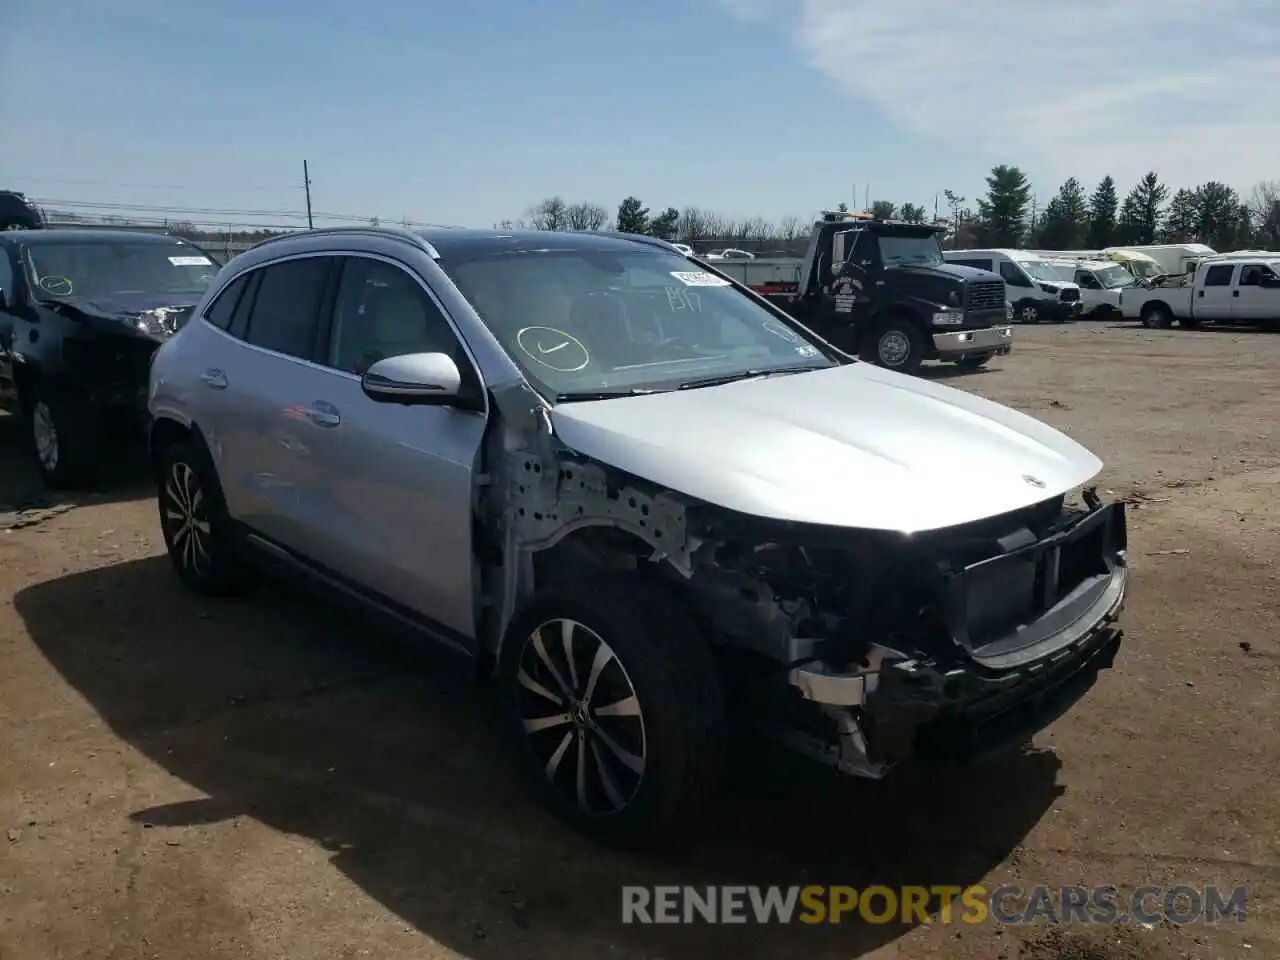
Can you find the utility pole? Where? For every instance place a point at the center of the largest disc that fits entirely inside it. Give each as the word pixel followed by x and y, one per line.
pixel 306 183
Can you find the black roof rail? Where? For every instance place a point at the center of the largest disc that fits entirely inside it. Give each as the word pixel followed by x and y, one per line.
pixel 390 232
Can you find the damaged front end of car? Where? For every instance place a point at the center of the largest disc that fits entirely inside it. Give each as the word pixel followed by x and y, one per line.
pixel 862 649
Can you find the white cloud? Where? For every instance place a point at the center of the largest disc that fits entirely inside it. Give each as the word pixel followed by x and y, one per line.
pixel 1084 88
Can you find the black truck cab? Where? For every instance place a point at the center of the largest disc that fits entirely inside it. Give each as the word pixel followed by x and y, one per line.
pixel 880 289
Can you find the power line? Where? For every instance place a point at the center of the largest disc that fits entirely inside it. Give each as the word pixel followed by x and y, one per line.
pixel 147 186
pixel 106 207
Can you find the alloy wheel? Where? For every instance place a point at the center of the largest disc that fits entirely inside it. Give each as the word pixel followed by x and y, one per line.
pixel 186 519
pixel 45 434
pixel 894 348
pixel 1030 314
pixel 581 717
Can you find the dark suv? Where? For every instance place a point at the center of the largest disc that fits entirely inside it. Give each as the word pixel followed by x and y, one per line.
pixel 19 213
pixel 81 312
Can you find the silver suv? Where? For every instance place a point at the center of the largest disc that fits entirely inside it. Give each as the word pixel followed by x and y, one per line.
pixel 644 499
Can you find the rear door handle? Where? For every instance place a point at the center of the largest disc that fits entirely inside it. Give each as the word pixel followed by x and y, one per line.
pixel 1235 293
pixel 214 379
pixel 324 414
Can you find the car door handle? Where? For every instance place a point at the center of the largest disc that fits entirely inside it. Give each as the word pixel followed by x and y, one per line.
pixel 324 414
pixel 214 379
pixel 1235 293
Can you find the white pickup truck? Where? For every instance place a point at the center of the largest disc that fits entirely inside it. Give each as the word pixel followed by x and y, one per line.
pixel 1227 289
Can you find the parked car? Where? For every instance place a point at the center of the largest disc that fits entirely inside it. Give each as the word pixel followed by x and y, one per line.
pixel 1100 283
pixel 81 312
pixel 1223 289
pixel 1037 290
pixel 645 500
pixel 19 213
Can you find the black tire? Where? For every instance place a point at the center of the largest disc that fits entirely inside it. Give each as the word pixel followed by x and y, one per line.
pixel 203 551
pixel 1026 311
pixel 64 433
pixel 1156 316
pixel 974 360
pixel 896 344
pixel 680 730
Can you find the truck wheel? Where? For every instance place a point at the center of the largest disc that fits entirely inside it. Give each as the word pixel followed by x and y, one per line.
pixel 1156 316
pixel 898 345
pixel 1028 312
pixel 612 702
pixel 64 437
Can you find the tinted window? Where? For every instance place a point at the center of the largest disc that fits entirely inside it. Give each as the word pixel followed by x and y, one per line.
pixel 220 311
pixel 287 306
pixel 1253 273
pixel 1012 275
pixel 239 325
pixel 381 311
pixel 623 317
pixel 6 274
pixel 1219 276
pixel 1087 280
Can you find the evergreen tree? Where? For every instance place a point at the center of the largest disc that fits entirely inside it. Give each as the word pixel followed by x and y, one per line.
pixel 1145 201
pixel 1002 215
pixel 1065 223
pixel 1102 214
pixel 1181 220
pixel 633 216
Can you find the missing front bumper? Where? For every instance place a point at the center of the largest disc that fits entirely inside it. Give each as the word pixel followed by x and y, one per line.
pixel 1007 686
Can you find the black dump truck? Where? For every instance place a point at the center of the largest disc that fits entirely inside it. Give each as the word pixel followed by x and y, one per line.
pixel 18 213
pixel 879 289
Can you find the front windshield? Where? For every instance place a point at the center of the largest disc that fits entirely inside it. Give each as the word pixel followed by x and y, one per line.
pixel 588 321
pixel 97 268
pixel 1142 269
pixel 910 250
pixel 1114 277
pixel 1040 270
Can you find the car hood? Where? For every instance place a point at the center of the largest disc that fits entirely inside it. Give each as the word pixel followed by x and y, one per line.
pixel 123 310
pixel 853 446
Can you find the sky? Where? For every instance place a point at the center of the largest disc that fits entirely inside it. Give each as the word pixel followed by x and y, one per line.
pixel 471 112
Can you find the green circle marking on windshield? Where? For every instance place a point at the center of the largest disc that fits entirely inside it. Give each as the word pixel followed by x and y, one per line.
pixel 58 286
pixel 554 349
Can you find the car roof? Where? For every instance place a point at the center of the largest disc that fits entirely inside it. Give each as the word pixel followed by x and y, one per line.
pixel 47 237
pixel 462 242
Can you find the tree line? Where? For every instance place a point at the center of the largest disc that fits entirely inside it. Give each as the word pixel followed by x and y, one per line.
pixel 1009 215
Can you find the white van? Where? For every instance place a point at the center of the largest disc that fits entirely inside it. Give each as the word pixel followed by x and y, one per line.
pixel 1100 283
pixel 1036 290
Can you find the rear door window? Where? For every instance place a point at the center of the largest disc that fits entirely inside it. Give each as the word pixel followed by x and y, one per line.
pixel 1219 275
pixel 286 306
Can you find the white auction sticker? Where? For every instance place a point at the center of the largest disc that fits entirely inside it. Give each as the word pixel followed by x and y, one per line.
pixel 190 261
pixel 699 278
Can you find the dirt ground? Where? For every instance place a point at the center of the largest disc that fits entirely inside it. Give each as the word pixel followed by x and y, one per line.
pixel 260 779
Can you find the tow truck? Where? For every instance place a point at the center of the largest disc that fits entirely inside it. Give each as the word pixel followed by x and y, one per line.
pixel 879 289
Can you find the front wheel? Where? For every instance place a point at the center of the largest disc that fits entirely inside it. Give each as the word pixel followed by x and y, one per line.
pixel 1157 317
pixel 897 345
pixel 1028 312
pixel 613 704
pixel 64 437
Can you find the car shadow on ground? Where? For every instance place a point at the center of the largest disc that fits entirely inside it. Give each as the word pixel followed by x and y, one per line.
pixel 952 371
pixel 278 710
pixel 22 491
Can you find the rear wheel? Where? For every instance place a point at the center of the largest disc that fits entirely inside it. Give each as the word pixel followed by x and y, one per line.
pixel 612 702
pixel 194 521
pixel 897 345
pixel 1156 316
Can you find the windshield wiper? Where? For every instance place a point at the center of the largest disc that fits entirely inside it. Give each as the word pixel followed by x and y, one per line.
pixel 743 375
pixel 604 394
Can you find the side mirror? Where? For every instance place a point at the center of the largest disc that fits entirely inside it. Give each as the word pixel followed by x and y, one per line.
pixel 1269 280
pixel 414 378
